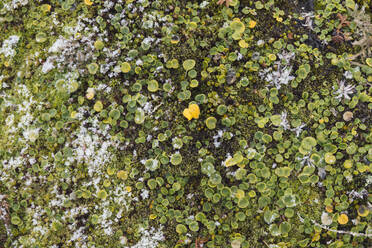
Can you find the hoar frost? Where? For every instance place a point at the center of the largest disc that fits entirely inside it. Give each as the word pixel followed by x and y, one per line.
pixel 8 45
pixel 282 75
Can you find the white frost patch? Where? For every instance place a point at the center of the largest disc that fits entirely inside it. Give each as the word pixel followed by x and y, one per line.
pixel 58 45
pixel 8 45
pixel 204 4
pixel 149 239
pixel 14 4
pixel 21 104
pixel 344 91
pixel 48 65
pixel 144 193
pixel 217 137
pixel 282 75
pixel 31 134
pixel 91 145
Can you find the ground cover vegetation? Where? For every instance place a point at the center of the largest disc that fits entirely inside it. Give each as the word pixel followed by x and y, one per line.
pixel 162 123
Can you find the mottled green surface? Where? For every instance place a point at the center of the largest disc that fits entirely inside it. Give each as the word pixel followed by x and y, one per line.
pixel 95 150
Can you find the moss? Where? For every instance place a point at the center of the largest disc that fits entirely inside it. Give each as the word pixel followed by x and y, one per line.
pixel 3 233
pixel 181 30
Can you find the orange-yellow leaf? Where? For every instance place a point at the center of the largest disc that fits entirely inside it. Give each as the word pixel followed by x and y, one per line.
pixel 194 110
pixel 187 114
pixel 343 219
pixel 88 2
pixel 252 24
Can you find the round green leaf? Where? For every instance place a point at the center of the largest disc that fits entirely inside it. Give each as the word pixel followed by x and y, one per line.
pixel 243 202
pixel 92 68
pixel 176 159
pixel 114 114
pixel 180 229
pixel 188 64
pixel 211 122
pixel 102 194
pixel 194 226
pixel 125 67
pixel 15 220
pixel 153 85
pixel 139 117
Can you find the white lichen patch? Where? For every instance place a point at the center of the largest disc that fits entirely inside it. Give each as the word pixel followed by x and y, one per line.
pixel 91 145
pixel 149 238
pixel 282 75
pixel 8 46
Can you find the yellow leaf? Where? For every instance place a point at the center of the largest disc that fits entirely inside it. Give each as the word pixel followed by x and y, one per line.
pixel 343 219
pixel 110 171
pixel 88 2
pixel 46 7
pixel 243 44
pixel 194 110
pixel 122 174
pixel 128 188
pixel 152 216
pixel 98 106
pixel 316 237
pixel 237 26
pixel 187 114
pixel 230 162
pixel 174 41
pixel 252 24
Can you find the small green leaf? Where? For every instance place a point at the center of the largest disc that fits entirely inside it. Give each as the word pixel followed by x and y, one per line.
pixel 152 85
pixel 125 67
pixel 194 226
pixel 98 106
pixel 176 159
pixel 15 220
pixel 329 158
pixel 41 37
pixel 243 202
pixel 285 227
pixel 180 229
pixel 92 68
pixel 211 122
pixel 276 119
pixel 139 117
pixel 114 114
pixel 350 4
pixel 98 44
pixel 369 61
pixel 188 64
pixel 95 219
pixel 102 194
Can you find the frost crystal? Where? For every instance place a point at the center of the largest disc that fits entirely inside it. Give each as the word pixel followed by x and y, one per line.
pixel 58 45
pixel 344 91
pixel 282 76
pixel 14 4
pixel 48 65
pixel 31 134
pixel 308 19
pixel 298 129
pixel 284 123
pixel 7 48
pixel 204 4
pixel 149 239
